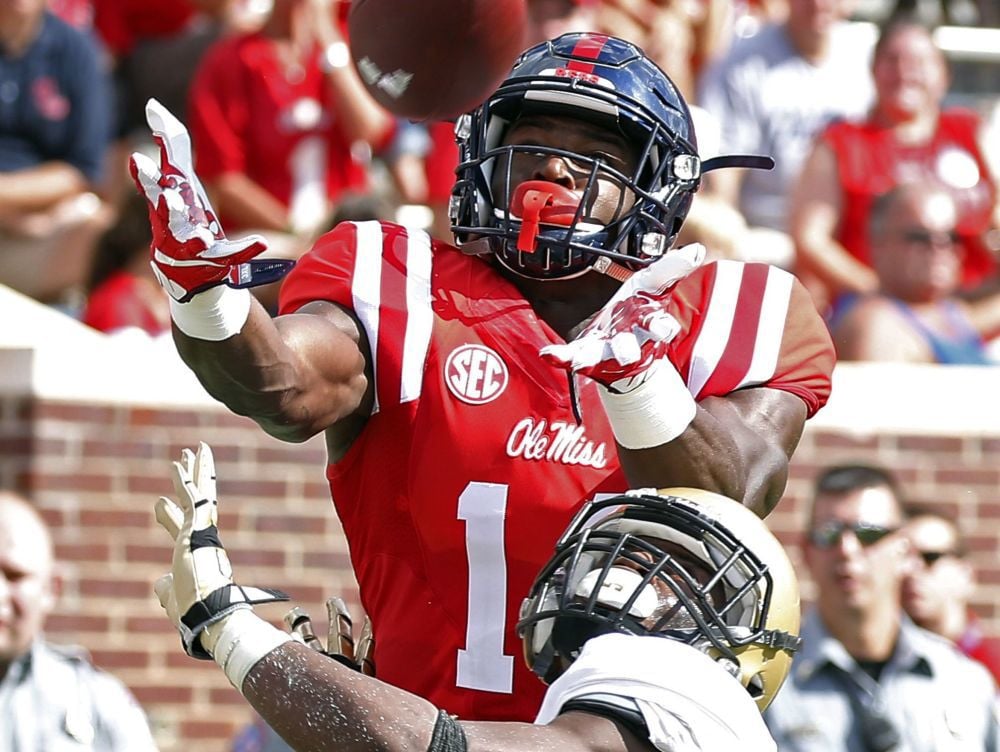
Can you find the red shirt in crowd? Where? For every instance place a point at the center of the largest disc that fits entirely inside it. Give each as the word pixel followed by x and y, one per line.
pixel 870 161
pixel 125 300
pixel 279 126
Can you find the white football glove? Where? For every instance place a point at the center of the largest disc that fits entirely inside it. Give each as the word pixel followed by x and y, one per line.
pixel 190 252
pixel 199 590
pixel 630 333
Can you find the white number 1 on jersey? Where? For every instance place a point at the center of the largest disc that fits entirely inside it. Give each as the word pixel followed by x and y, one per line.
pixel 482 664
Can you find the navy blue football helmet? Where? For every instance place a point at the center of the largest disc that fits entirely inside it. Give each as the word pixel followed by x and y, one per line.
pixel 606 81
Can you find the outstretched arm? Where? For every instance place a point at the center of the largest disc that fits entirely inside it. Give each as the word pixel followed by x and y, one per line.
pixel 295 375
pixel 312 700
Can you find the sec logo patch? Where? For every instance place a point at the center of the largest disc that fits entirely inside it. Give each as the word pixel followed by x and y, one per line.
pixel 475 374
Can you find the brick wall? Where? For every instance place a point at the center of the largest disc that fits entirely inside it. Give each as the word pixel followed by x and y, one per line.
pixel 88 426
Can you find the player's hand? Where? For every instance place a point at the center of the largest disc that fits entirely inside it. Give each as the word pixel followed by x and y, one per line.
pixel 190 252
pixel 340 643
pixel 199 590
pixel 631 332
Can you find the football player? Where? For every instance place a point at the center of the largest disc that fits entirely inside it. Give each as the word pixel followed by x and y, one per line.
pixel 456 452
pixel 664 621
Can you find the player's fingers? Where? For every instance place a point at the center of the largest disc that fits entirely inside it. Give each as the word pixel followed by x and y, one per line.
pixel 145 175
pixel 180 476
pixel 364 653
pixel 175 142
pixel 673 267
pixel 163 587
pixel 589 351
pixel 250 246
pixel 662 326
pixel 169 515
pixel 204 471
pixel 623 348
pixel 340 629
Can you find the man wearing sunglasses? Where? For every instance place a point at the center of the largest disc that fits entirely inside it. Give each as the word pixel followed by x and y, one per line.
pixel 867 678
pixel 938 587
pixel 916 315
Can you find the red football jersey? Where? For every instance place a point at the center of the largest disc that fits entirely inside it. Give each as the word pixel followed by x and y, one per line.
pixel 472 465
pixel 251 115
pixel 870 161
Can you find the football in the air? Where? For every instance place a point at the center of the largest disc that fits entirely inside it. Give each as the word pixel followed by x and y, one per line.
pixel 434 59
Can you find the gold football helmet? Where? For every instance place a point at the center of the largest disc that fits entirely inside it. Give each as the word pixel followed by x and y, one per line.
pixel 680 563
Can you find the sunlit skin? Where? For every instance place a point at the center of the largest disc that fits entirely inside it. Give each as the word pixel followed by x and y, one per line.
pixel 910 78
pixel 858 587
pixel 566 304
pixel 919 272
pixel 27 585
pixel 19 24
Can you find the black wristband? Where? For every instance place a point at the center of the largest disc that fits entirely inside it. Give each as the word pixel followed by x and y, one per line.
pixel 448 735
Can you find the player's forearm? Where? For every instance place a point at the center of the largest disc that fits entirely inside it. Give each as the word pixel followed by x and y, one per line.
pixel 315 703
pixel 39 188
pixel 737 446
pixel 258 374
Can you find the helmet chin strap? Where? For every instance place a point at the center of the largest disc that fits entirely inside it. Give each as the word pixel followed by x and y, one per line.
pixel 613 269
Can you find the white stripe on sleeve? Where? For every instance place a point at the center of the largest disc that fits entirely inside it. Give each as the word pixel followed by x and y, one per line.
pixel 714 335
pixel 366 287
pixel 419 313
pixel 770 327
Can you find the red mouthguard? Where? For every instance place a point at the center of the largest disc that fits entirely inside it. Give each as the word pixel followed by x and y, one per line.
pixel 538 201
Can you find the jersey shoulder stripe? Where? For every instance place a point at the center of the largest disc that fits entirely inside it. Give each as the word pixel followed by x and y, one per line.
pixel 382 272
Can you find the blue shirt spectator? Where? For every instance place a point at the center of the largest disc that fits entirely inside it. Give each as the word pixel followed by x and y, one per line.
pixel 54 102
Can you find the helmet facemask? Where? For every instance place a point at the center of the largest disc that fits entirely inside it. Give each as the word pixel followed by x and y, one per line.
pixel 628 96
pixel 654 565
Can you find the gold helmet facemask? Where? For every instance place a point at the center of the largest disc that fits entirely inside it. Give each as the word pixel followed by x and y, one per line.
pixel 680 563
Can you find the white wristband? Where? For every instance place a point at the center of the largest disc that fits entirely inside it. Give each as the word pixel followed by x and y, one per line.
pixel 215 314
pixel 240 641
pixel 653 413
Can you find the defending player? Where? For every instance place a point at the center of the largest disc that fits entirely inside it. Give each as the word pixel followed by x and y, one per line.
pixel 455 455
pixel 664 621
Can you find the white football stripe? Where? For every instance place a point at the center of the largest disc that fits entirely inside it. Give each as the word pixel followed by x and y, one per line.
pixel 770 327
pixel 714 335
pixel 366 287
pixel 419 314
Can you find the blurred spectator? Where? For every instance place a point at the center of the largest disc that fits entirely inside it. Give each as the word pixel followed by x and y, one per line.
pixel 915 315
pixel 122 291
pixel 939 585
pixel 908 137
pixel 54 128
pixel 51 698
pixel 155 48
pixel 547 19
pixel 277 117
pixel 771 94
pixel 867 678
pixel 681 36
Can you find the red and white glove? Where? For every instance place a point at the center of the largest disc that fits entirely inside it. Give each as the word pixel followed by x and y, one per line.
pixel 190 252
pixel 632 330
pixel 623 348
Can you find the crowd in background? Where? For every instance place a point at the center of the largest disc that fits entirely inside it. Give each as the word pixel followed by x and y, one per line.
pixel 286 137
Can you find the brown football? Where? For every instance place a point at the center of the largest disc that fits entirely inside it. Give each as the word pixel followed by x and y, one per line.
pixel 434 59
